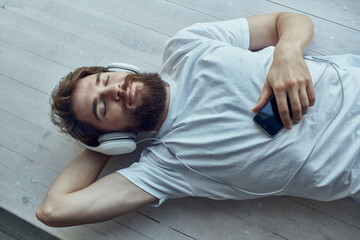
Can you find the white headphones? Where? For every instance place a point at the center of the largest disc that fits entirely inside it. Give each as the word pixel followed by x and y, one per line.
pixel 116 143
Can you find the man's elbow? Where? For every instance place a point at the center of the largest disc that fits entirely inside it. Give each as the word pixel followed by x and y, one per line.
pixel 307 19
pixel 303 17
pixel 44 215
pixel 50 215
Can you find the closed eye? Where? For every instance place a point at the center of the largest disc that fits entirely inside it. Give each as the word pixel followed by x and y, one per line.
pixel 107 80
pixel 105 108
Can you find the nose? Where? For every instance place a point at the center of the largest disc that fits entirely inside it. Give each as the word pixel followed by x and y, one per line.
pixel 117 91
pixel 113 91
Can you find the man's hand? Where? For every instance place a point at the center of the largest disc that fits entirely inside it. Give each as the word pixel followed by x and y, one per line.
pixel 288 79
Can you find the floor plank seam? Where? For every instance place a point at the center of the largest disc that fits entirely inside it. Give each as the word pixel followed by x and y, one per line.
pixel 242 219
pixel 272 233
pixel 57 133
pixel 77 36
pixel 26 50
pixel 313 15
pixel 13 151
pixel 195 10
pixel 153 219
pixel 324 213
pixel 19 117
pixel 22 83
pixel 182 233
pixel 32 181
pixel 125 20
pixel 126 226
pixel 8 233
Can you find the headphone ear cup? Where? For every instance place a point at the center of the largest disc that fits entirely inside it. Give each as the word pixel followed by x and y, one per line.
pixel 115 143
pixel 117 147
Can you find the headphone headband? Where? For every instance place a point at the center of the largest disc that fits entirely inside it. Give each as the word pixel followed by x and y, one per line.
pixel 123 67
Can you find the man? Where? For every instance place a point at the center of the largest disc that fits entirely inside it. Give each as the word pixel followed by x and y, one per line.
pixel 199 104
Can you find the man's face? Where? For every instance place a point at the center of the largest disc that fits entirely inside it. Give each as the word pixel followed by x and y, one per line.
pixel 111 102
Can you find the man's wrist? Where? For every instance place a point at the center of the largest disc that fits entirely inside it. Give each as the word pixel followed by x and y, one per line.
pixel 286 53
pixel 286 44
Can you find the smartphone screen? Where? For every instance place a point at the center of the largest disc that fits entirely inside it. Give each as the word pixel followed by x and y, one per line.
pixel 268 118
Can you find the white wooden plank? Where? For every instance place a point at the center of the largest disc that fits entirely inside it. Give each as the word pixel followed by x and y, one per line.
pixel 149 227
pixel 329 39
pixel 158 15
pixel 30 69
pixel 289 219
pixel 270 237
pixel 113 34
pixel 36 143
pixel 345 12
pixel 12 228
pixel 346 210
pixel 24 193
pixel 202 221
pixel 25 102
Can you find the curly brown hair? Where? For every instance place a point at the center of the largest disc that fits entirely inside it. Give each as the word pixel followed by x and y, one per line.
pixel 62 112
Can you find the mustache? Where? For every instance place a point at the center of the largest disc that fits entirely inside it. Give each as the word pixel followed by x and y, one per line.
pixel 130 78
pixel 127 81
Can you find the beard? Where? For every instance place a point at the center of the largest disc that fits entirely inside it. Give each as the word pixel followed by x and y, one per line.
pixel 146 115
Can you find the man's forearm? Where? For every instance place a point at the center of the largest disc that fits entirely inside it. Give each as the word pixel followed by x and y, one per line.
pixel 272 29
pixel 81 172
pixel 294 31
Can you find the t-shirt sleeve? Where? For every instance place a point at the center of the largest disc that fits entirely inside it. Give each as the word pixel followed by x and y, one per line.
pixel 234 32
pixel 156 179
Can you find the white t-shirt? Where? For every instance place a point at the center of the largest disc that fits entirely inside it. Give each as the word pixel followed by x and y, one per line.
pixel 215 81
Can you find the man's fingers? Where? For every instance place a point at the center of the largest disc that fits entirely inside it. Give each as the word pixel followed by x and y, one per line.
pixel 263 98
pixel 296 106
pixel 260 104
pixel 283 108
pixel 311 94
pixel 304 101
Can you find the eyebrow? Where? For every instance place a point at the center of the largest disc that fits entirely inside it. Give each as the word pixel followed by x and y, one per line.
pixel 95 102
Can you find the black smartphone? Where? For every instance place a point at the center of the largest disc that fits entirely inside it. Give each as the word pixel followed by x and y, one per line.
pixel 268 118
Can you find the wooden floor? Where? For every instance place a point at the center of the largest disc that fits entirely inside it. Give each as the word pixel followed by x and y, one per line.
pixel 41 40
